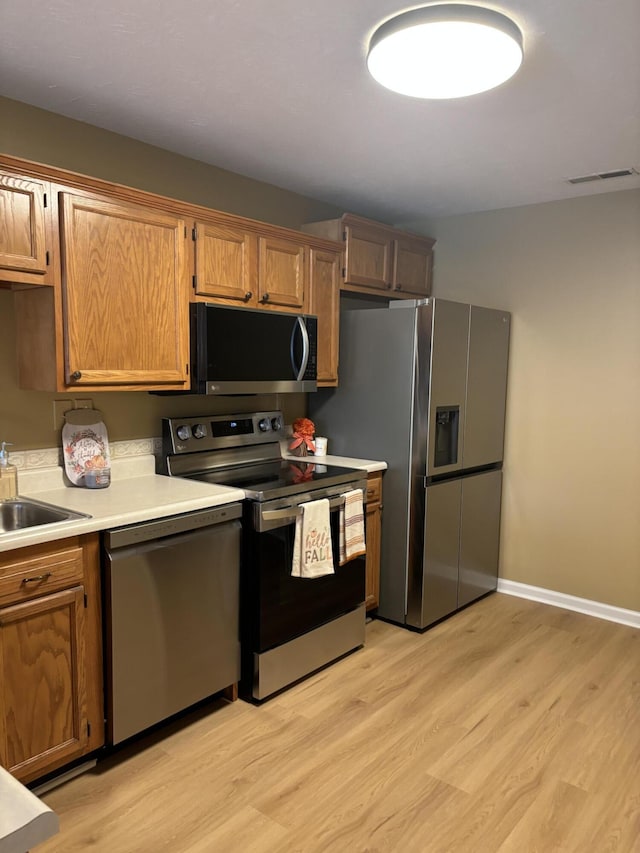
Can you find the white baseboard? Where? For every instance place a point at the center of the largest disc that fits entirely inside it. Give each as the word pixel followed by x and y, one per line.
pixel 570 602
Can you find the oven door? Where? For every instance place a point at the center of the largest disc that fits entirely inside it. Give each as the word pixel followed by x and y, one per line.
pixel 277 607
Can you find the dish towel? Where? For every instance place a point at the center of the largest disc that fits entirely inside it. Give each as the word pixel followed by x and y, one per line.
pixel 312 551
pixel 352 542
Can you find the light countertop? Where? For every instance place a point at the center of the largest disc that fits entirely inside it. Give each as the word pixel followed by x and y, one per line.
pixel 368 465
pixel 136 494
pixel 24 819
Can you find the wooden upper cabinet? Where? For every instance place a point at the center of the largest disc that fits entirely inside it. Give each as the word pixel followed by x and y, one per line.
pixel 412 266
pixel 368 256
pixel 324 301
pixel 23 251
pixel 123 268
pixel 224 262
pixel 379 259
pixel 125 294
pixel 281 273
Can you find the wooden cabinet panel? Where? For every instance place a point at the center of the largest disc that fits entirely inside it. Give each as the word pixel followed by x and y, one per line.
pixel 23 255
pixel 40 574
pixel 368 257
pixel 324 301
pixel 281 273
pixel 42 686
pixel 122 265
pixel 223 262
pixel 125 294
pixel 412 266
pixel 373 533
pixel 380 260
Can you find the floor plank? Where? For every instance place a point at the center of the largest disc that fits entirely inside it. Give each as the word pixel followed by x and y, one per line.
pixel 512 726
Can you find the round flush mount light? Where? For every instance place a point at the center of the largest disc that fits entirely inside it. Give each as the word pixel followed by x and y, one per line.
pixel 447 50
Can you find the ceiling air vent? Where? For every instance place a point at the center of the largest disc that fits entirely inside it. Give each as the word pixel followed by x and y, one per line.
pixel 602 176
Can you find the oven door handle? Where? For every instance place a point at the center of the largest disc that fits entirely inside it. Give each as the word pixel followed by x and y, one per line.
pixel 290 513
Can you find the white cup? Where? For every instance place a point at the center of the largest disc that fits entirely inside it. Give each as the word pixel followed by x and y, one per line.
pixel 321 445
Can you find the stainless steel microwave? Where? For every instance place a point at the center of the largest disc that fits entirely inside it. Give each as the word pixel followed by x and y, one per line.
pixel 247 351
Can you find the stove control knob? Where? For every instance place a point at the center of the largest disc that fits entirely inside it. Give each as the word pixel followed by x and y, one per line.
pixel 183 432
pixel 264 425
pixel 199 431
pixel 276 423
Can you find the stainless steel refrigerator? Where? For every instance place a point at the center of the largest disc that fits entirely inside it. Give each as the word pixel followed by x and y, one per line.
pixel 423 387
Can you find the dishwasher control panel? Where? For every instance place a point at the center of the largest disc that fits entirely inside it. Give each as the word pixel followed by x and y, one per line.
pixel 159 528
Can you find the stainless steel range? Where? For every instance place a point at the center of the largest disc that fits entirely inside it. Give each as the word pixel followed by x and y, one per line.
pixel 289 626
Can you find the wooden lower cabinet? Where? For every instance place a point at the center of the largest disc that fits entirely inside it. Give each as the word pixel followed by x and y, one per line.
pixel 373 530
pixel 51 690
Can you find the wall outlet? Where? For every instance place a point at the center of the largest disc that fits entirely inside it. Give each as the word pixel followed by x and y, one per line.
pixel 84 403
pixel 59 408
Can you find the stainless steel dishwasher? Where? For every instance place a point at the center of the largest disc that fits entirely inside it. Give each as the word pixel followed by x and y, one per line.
pixel 171 600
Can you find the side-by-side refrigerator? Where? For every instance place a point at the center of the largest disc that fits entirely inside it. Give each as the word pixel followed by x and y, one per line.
pixel 423 387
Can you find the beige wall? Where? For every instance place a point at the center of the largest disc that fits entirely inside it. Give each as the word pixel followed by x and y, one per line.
pixel 26 418
pixel 49 138
pixel 569 272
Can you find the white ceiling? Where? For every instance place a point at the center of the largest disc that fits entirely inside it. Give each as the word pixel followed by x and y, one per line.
pixel 278 90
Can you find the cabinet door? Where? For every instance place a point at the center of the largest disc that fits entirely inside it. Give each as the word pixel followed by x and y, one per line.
pixel 281 273
pixel 223 262
pixel 324 301
pixel 412 266
pixel 125 295
pixel 43 719
pixel 22 229
pixel 368 257
pixel 373 540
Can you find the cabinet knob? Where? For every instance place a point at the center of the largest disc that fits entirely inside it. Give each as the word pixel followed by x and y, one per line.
pixel 389 285
pixel 248 295
pixel 265 298
pixel 76 375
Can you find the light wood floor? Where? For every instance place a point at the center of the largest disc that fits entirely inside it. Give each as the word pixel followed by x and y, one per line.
pixel 512 726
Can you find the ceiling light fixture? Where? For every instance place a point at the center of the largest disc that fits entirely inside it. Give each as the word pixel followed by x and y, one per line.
pixel 448 50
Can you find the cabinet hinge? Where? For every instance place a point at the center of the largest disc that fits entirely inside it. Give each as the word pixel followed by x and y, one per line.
pixel 186 369
pixel 344 272
pixel 88 729
pixel 194 279
pixel 194 233
pixel 46 257
pixel 45 199
pixel 86 601
pixel 344 235
pixel 185 232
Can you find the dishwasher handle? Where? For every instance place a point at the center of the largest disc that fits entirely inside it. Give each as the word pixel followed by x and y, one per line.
pixel 146 531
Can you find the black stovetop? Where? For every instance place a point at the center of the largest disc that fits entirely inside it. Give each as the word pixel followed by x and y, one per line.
pixel 279 478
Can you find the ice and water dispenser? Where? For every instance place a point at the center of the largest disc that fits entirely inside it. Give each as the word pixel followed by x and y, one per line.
pixel 446 443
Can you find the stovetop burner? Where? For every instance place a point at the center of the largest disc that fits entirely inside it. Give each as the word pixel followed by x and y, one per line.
pixel 243 451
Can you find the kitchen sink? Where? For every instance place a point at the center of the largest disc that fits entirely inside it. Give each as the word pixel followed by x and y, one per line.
pixel 21 513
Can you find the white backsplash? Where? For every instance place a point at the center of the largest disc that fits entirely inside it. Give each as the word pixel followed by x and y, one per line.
pixel 49 457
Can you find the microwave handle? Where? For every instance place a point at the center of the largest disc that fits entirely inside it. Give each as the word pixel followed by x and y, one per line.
pixel 299 372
